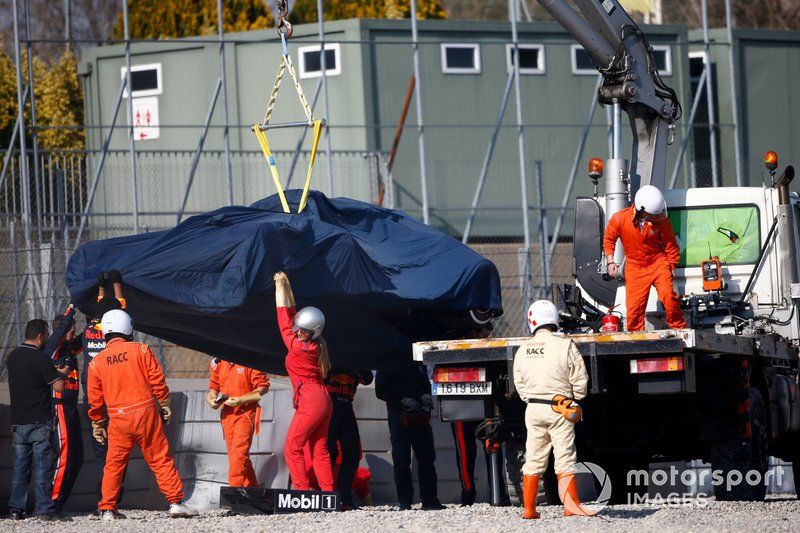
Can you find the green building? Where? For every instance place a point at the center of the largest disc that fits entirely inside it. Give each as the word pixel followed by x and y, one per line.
pixel 464 68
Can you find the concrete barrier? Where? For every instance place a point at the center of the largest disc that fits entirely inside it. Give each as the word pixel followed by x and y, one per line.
pixel 195 437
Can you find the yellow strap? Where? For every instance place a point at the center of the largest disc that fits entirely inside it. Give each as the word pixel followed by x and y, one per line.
pixel 311 159
pixel 262 140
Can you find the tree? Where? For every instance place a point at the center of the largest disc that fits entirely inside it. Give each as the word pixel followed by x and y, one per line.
pixel 305 11
pixel 8 98
pixel 59 102
pixel 161 19
pixel 91 22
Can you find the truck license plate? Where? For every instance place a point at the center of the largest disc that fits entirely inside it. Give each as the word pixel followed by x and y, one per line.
pixel 462 389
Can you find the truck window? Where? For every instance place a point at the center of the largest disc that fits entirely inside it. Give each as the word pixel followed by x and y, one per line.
pixel 731 233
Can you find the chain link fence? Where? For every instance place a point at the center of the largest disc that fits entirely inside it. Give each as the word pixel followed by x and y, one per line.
pixel 40 221
pixel 35 249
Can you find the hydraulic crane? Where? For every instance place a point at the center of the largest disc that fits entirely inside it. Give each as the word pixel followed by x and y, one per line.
pixel 631 83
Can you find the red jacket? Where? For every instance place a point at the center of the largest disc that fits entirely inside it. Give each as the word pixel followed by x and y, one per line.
pixel 302 361
pixel 643 247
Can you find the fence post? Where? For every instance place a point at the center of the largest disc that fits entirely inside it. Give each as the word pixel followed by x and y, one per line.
pixel 524 262
pixel 15 277
pixel 423 175
pixel 132 139
pixel 523 178
pixel 543 232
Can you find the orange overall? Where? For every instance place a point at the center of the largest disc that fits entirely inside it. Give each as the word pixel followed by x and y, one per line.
pixel 239 423
pixel 651 255
pixel 125 383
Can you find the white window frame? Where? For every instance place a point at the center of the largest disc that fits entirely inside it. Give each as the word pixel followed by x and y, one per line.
pixel 526 46
pixel 667 58
pixel 147 92
pixel 667 49
pixel 476 50
pixel 301 60
pixel 573 56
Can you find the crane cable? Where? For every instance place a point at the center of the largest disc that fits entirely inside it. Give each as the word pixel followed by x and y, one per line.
pixel 284 28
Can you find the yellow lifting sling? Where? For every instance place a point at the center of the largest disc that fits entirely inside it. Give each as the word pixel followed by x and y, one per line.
pixel 310 122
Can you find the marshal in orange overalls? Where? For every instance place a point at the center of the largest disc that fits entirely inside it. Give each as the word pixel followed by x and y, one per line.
pixel 126 384
pixel 651 255
pixel 240 422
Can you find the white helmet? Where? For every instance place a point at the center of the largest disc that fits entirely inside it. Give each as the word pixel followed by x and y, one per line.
pixel 650 200
pixel 117 321
pixel 542 313
pixel 310 318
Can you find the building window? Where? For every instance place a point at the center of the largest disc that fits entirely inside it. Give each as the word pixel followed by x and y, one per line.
pixel 311 60
pixel 531 58
pixel 582 64
pixel 461 58
pixel 145 79
pixel 662 55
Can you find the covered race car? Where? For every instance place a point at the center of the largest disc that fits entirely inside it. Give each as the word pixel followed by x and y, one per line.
pixel 383 280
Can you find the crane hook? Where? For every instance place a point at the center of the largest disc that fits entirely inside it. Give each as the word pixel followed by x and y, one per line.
pixel 282 23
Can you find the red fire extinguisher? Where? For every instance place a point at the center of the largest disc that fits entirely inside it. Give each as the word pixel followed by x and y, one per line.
pixel 610 322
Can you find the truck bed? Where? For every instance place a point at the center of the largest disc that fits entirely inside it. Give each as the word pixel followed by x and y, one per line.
pixel 610 344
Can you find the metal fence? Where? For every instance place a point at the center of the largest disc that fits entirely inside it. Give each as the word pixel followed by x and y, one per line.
pixel 38 236
pixel 41 229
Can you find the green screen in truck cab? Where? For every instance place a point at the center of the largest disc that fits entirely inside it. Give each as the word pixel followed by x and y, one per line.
pixel 732 233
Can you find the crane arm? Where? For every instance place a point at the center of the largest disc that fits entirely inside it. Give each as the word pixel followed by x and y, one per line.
pixel 623 56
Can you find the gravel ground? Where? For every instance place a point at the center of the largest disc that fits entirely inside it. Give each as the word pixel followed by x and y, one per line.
pixel 777 514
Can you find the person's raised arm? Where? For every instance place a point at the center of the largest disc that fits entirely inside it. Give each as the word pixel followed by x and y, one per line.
pixel 115 277
pixel 285 308
pixel 54 341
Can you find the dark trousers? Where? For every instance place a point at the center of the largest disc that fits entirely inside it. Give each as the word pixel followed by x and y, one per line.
pixel 343 430
pixel 68 450
pixel 420 439
pixel 32 443
pixel 466 450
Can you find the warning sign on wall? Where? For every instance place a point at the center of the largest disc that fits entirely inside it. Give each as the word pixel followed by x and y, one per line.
pixel 145 118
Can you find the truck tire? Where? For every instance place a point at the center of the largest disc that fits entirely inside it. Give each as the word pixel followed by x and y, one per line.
pixel 514 456
pixel 743 456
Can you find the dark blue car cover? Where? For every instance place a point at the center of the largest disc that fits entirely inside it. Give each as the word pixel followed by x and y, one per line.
pixel 383 280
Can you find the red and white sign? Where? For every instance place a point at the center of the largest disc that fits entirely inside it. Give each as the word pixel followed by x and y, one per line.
pixel 145 118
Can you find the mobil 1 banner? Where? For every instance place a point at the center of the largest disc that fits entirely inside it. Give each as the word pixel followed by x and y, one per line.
pixel 305 501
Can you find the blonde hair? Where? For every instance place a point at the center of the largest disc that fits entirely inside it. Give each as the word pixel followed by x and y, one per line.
pixel 324 358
